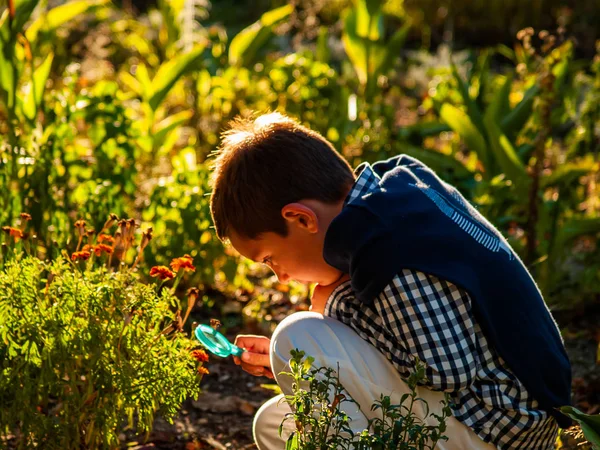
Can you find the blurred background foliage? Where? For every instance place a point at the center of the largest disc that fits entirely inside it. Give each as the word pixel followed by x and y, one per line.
pixel 116 107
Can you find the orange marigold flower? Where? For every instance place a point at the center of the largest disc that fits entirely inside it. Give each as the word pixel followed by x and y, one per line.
pixel 161 272
pixel 14 232
pixel 83 255
pixel 185 262
pixel 106 238
pixel 200 355
pixel 98 249
pixel 88 248
pixel 203 370
pixel 25 216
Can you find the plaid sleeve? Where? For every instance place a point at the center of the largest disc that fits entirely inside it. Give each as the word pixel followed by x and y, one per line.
pixel 432 319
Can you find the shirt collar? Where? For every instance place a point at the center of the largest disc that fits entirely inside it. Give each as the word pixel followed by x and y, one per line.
pixel 366 182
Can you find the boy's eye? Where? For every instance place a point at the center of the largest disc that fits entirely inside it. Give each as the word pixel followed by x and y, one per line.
pixel 267 260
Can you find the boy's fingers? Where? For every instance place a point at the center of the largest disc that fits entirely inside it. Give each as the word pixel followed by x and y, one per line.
pixel 253 370
pixel 256 359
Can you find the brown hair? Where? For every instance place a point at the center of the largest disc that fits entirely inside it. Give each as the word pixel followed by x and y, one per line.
pixel 264 164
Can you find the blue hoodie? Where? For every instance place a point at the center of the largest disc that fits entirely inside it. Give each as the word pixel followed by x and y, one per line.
pixel 416 221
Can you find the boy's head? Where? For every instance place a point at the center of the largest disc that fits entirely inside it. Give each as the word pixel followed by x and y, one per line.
pixel 276 187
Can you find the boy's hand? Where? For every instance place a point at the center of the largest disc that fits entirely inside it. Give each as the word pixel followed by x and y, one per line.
pixel 255 360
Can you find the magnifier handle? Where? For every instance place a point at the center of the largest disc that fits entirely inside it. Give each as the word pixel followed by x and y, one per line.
pixel 237 351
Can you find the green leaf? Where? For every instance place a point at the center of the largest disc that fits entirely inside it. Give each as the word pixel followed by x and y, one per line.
pixel 461 123
pixel 355 46
pixel 590 424
pixel 565 174
pixel 59 16
pixel 516 119
pixel 246 44
pixel 171 122
pixel 369 20
pixel 132 83
pixel 506 156
pixel 7 79
pixel 323 54
pixel 33 97
pixel 170 72
pixel 292 442
pixel 500 105
pixel 145 83
pixel 185 161
pixel 23 10
pixel 423 130
pixel 472 109
pixel 573 228
pixel 392 50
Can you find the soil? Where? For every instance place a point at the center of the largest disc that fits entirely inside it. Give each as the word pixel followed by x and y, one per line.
pixel 221 418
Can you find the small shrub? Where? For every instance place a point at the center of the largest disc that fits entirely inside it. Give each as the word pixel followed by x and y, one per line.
pixel 321 423
pixel 86 350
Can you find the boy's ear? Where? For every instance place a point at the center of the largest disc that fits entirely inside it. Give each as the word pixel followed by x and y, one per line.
pixel 301 216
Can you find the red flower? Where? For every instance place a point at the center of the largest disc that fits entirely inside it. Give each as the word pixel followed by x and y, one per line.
pixel 203 370
pixel 83 255
pixel 185 262
pixel 200 355
pixel 161 272
pixel 26 216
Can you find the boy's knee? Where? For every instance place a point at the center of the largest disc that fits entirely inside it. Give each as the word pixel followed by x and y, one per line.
pixel 267 420
pixel 305 331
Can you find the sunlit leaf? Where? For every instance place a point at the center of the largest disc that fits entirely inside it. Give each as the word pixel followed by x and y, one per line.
pixel 60 15
pixel 23 10
pixel 369 20
pixel 170 72
pixel 500 105
pixel 506 157
pixel 590 424
pixel 132 83
pixel 461 123
pixel 246 44
pixel 143 77
pixel 473 110
pixel 35 93
pixel 516 119
pixel 7 79
pixel 323 53
pixel 355 46
pixel 171 122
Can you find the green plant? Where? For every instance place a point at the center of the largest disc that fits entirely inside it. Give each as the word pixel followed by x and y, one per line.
pixel 317 400
pixel 86 351
pixel 364 40
pixel 25 70
pixel 590 424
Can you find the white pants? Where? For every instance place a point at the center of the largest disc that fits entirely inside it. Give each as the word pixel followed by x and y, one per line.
pixel 363 371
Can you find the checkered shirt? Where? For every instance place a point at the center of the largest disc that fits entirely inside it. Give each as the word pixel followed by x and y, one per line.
pixel 420 316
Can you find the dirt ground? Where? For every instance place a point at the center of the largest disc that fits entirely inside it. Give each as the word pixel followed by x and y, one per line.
pixel 221 418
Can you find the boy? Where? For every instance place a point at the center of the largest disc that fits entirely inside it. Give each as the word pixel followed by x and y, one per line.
pixel 405 269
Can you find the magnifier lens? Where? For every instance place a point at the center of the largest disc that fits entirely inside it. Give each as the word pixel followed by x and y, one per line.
pixel 215 342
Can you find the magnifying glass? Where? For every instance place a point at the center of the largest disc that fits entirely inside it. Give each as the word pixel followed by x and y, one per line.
pixel 216 343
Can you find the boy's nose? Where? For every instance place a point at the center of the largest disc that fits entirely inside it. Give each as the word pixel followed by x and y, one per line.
pixel 282 278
